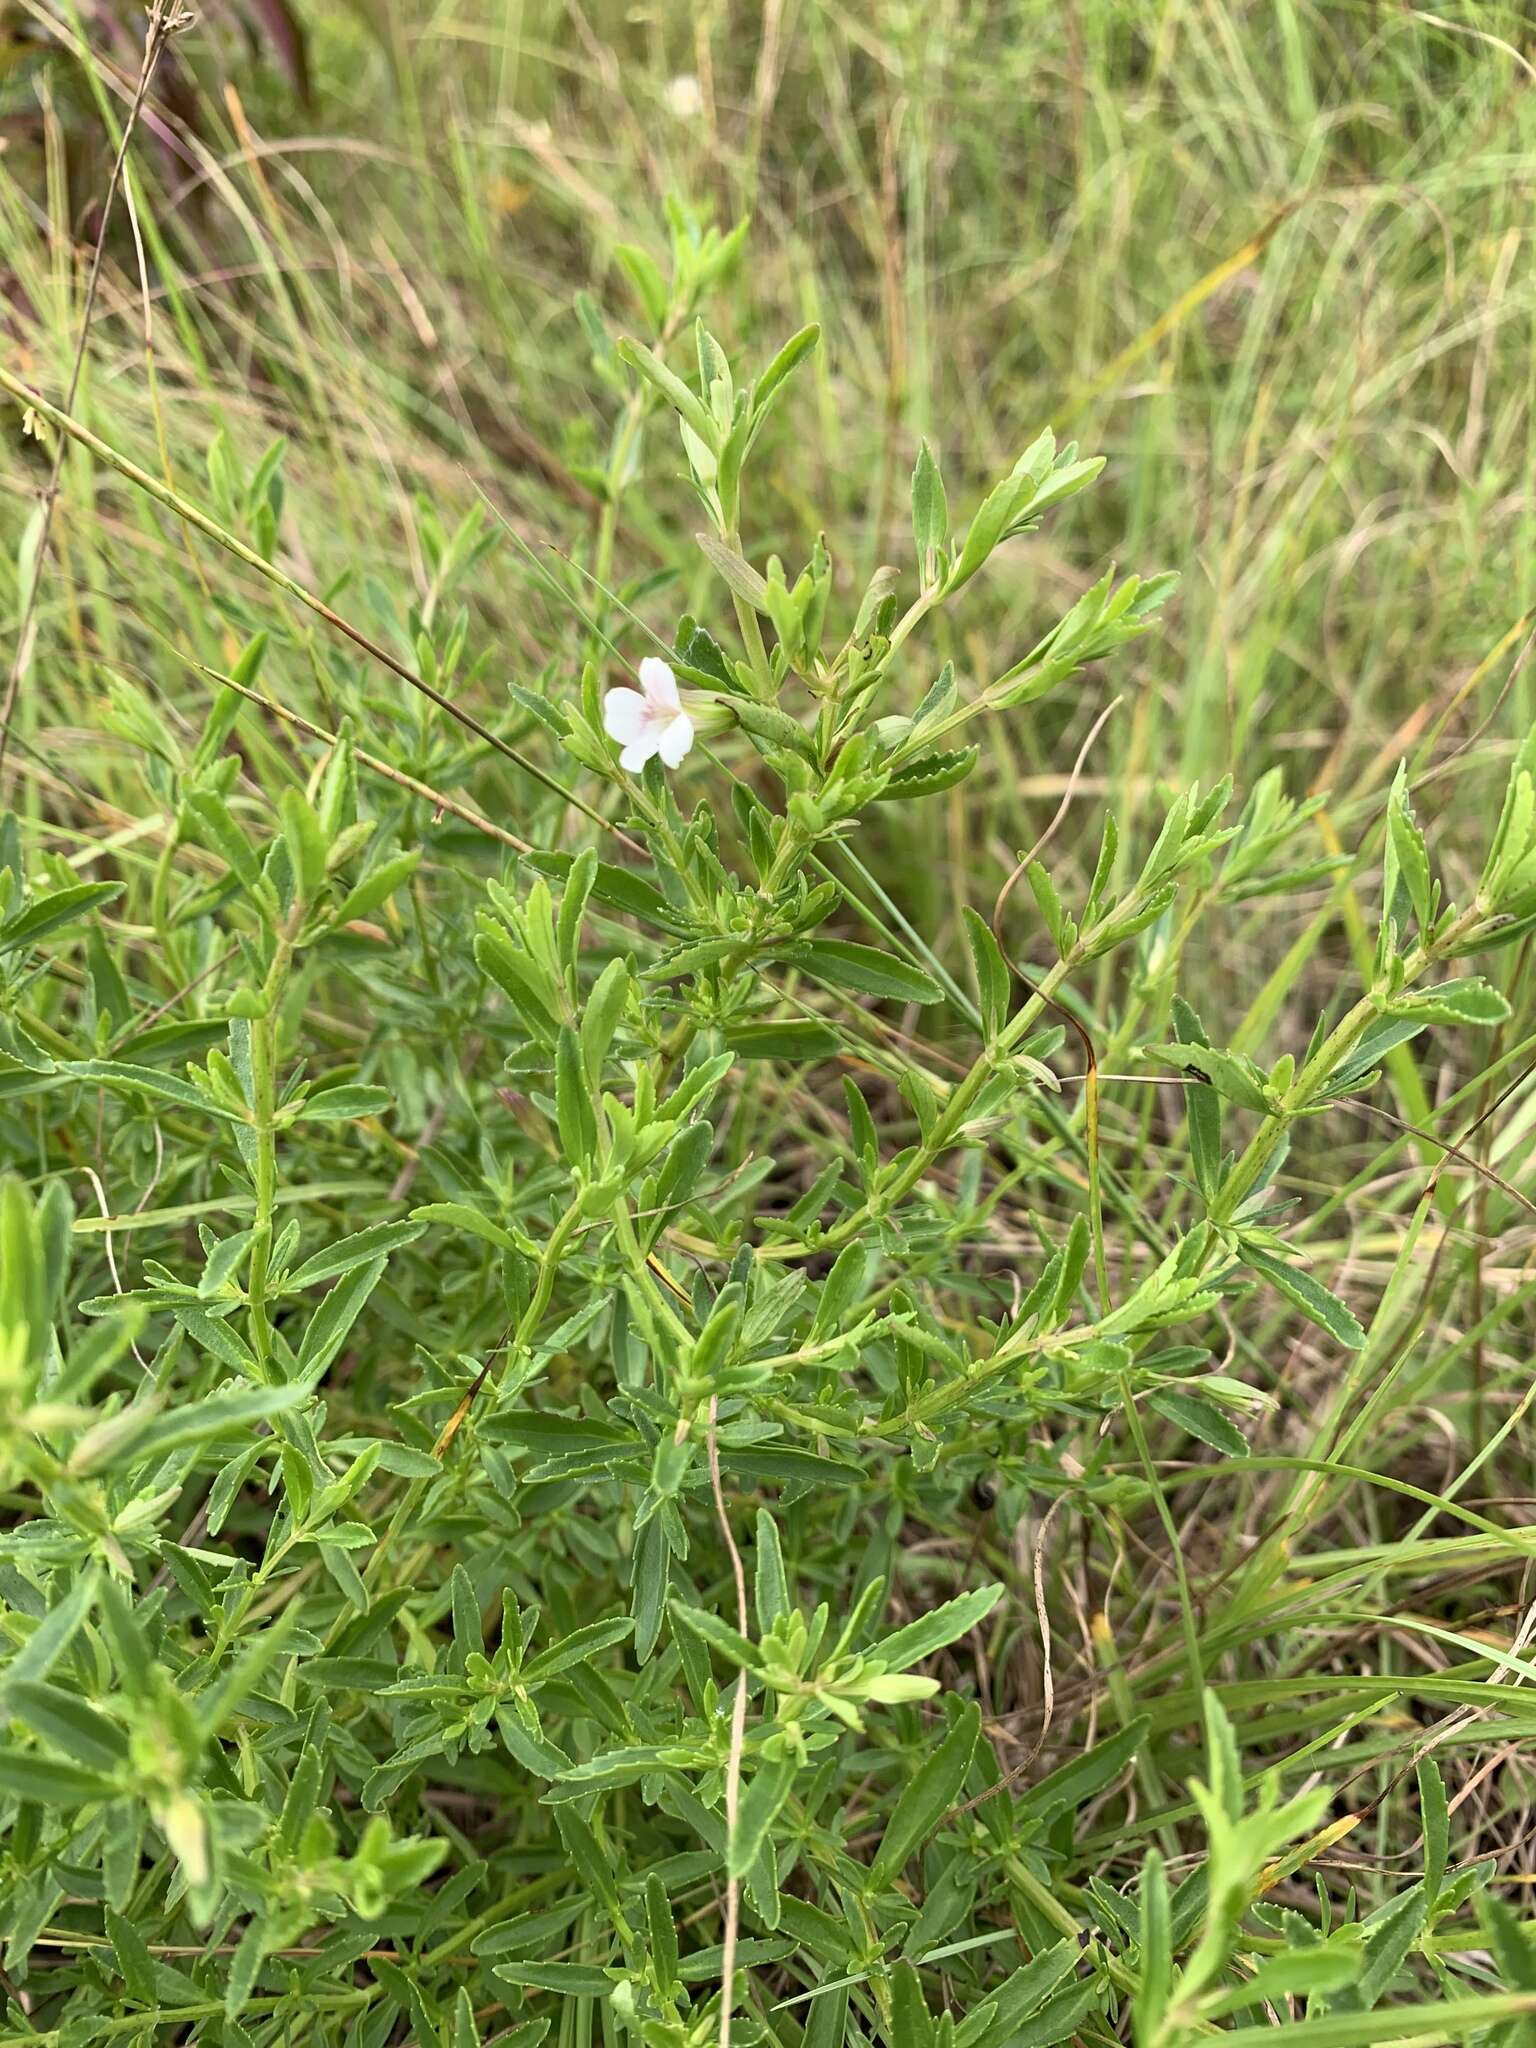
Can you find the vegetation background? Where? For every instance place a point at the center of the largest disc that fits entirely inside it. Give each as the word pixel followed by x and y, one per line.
pixel 264 1777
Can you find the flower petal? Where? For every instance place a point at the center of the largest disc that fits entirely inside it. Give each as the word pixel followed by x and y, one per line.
pixel 676 739
pixel 659 684
pixel 624 714
pixel 640 749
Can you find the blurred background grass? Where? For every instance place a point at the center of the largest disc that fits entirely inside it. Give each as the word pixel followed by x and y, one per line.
pixel 1272 260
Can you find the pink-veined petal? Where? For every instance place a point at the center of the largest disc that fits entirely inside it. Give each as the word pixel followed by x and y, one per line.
pixel 625 713
pixel 676 739
pixel 659 684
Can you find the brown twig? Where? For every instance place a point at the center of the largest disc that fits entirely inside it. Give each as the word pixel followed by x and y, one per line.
pixel 1048 1702
pixel 372 761
pixel 195 517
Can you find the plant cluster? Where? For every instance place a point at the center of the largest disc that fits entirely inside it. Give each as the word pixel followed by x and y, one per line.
pixel 502 1318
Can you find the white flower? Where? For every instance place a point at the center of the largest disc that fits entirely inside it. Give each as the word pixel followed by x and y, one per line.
pixel 650 720
pixel 684 97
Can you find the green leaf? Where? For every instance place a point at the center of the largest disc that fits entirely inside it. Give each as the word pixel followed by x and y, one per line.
pixel 985 531
pixel 1051 908
pixel 841 963
pixel 119 1075
pixel 1391 1938
pixel 1309 1295
pixel 48 913
pixel 770 1584
pixel 1309 1971
pixel 783 366
pixel 1028 1991
pixel 930 514
pixel 461 1216
pixel 331 1322
pixel 344 1103
pixel 374 1243
pixel 994 984
pixel 671 387
pixel 159 1430
pixel 1202 1108
pixel 719 1634
pixel 1060 2019
pixel 787 1038
pixel 928 1796
pixel 1223 1765
pixel 573 1101
pixel 841 1291
pixel 377 888
pixel 787 1462
pixel 1200 1418
pixel 514 973
pixel 618 889
pixel 46 1781
pixel 571 1980
pixel 1408 859
pixel 1374 1044
pixel 1230 1074
pixel 1440 2020
pixel 911 2021
pixel 305 844
pixel 1071 1787
pixel 579 1647
pixel 592 1861
pixel 600 1018
pixel 737 574
pixel 930 773
pixel 1510 1941
pixel 219 830
pixel 212 1332
pixel 937 1629
pixel 1156 1948
pixel 133 1959
pixel 761 1803
pixel 1434 1822
pixel 52 1635
pixel 69 1723
pixel 645 274
pixel 1468 1001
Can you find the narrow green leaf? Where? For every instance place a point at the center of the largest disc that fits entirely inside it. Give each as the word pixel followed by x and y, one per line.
pixel 791 1038
pixel 761 1803
pixel 842 963
pixel 1309 1295
pixel 348 1252
pixel 579 1647
pixel 48 913
pixel 1075 1783
pixel 937 1629
pixel 1306 1972
pixel 928 1796
pixel 1434 1820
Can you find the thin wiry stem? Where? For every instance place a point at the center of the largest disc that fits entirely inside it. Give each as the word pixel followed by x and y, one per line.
pixel 194 516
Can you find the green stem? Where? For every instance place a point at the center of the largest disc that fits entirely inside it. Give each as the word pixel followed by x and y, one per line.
pixel 1342 1040
pixel 752 639
pixel 264 1052
pixel 951 1122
